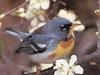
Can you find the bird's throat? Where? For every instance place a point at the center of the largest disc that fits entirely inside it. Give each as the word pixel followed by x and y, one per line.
pixel 64 47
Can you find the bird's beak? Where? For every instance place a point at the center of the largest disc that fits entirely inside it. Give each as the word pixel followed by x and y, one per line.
pixel 77 27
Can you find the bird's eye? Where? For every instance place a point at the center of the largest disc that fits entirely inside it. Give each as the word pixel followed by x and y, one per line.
pixel 65 27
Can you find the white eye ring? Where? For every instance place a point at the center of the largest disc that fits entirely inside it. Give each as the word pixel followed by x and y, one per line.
pixel 62 25
pixel 64 29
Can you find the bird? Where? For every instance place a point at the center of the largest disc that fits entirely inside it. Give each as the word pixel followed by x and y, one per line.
pixel 50 42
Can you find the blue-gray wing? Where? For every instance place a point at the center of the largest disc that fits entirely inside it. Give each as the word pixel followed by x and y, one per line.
pixel 37 43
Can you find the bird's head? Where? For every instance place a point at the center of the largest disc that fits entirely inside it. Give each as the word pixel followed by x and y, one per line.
pixel 61 27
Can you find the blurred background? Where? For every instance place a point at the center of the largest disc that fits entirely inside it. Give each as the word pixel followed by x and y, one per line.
pixel 27 15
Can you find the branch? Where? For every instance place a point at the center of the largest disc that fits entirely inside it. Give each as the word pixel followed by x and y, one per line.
pixel 48 71
pixel 93 59
pixel 13 10
pixel 98 26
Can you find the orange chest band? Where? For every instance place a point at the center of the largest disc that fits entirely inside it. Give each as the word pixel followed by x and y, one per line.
pixel 64 47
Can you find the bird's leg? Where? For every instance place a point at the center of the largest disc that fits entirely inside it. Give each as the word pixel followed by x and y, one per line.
pixel 38 70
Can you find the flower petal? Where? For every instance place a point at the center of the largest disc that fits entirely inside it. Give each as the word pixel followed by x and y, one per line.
pixel 70 15
pixel 63 61
pixel 58 72
pixel 37 6
pixel 57 66
pixel 79 28
pixel 61 64
pixel 46 66
pixel 73 60
pixel 33 1
pixel 70 73
pixel 78 69
pixel 45 4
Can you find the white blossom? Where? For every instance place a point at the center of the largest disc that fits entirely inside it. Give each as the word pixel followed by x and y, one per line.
pixel 71 16
pixel 37 4
pixel 70 67
pixel 67 14
pixel 2 16
pixel 21 10
pixel 22 15
pixel 79 28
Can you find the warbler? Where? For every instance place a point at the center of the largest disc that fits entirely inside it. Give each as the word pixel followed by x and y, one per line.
pixel 50 42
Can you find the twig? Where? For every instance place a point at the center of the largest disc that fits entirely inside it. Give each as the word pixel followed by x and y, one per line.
pixel 13 10
pixel 54 8
pixel 48 71
pixel 98 26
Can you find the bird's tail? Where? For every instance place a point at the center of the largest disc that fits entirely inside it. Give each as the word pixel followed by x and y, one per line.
pixel 20 35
